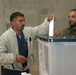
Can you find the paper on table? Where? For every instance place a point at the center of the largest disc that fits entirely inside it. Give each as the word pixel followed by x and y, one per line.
pixel 28 74
pixel 51 27
pixel 23 73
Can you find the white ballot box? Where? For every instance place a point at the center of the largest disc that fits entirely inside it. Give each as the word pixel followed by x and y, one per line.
pixel 57 55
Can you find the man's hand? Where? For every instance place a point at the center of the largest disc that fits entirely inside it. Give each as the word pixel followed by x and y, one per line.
pixel 21 59
pixel 56 33
pixel 50 18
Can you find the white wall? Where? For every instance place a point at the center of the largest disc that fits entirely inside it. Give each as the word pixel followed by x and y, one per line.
pixel 35 11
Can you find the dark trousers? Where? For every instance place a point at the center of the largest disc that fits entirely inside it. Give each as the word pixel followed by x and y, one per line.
pixel 5 71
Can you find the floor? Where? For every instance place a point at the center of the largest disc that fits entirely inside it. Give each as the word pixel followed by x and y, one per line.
pixel 34 69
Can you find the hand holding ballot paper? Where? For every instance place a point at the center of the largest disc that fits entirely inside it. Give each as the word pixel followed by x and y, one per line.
pixel 51 27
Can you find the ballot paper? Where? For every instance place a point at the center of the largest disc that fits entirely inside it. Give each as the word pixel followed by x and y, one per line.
pixel 51 27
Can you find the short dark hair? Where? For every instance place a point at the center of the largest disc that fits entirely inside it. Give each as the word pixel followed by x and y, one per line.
pixel 72 10
pixel 14 15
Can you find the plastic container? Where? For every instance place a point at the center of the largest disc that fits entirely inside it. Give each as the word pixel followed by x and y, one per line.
pixel 57 55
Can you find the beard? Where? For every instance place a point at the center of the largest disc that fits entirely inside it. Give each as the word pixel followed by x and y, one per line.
pixel 72 24
pixel 22 27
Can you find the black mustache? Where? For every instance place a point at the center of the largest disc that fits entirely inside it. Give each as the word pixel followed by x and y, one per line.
pixel 23 25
